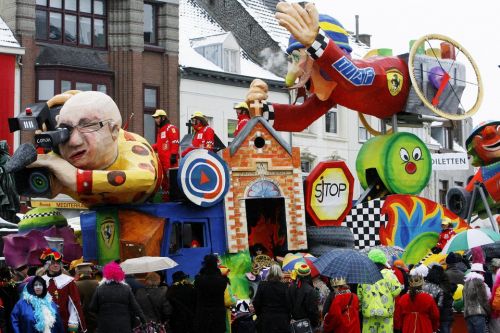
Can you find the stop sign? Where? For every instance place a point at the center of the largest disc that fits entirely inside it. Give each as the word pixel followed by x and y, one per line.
pixel 329 189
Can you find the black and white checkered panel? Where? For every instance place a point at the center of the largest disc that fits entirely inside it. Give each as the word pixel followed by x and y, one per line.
pixel 319 45
pixel 364 221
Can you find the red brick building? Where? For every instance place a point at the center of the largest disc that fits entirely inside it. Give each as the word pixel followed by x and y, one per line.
pixel 265 201
pixel 125 48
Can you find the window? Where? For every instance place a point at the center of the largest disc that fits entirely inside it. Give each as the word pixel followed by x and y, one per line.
pixel 231 127
pixel 51 82
pixel 186 235
pixel 151 103
pixel 150 24
pixel 212 53
pixel 231 60
pixel 305 166
pixel 363 134
pixel 72 22
pixel 331 122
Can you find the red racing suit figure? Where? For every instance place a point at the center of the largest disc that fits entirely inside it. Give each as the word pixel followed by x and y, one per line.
pixel 204 136
pixel 167 141
pixel 320 57
pixel 445 235
pixel 243 116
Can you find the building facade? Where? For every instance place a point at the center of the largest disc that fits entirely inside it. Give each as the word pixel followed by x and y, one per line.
pixel 127 49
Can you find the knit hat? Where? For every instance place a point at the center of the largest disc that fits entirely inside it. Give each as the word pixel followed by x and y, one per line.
pixel 302 269
pixel 495 262
pixel 113 272
pixel 332 28
pixel 477 267
pixel 421 270
pixel 377 256
pixel 41 218
pixel 453 258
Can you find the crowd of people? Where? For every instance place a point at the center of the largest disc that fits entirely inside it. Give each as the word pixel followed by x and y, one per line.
pixel 422 298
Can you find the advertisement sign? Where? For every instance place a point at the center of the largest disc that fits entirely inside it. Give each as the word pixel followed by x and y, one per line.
pixel 450 161
pixel 329 190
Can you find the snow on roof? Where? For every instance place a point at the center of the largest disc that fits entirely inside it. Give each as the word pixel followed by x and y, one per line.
pixel 197 29
pixel 6 36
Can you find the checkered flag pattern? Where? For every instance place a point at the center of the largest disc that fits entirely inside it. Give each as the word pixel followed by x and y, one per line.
pixel 364 221
pixel 319 45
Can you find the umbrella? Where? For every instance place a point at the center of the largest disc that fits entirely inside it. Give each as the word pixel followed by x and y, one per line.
pixel 147 264
pixel 391 252
pixel 471 238
pixel 291 259
pixel 349 264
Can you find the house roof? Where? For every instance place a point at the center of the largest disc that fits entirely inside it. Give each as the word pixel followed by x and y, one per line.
pixel 8 42
pixel 236 143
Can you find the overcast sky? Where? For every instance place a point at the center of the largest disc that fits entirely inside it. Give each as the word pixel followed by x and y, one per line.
pixel 392 24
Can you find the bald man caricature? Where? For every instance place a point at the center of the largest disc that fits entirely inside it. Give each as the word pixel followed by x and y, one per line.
pixel 100 163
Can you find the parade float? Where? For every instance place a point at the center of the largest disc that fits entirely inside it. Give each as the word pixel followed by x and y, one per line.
pixel 252 194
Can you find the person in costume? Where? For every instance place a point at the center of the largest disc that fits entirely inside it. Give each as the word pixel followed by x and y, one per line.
pixel 377 299
pixel 100 163
pixel 445 235
pixel 343 313
pixel 35 311
pixel 320 54
pixel 64 291
pixel 416 310
pixel 243 116
pixel 114 302
pixel 167 144
pixel 204 135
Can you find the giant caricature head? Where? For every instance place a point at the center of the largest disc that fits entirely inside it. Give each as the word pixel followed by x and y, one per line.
pixel 484 143
pixel 94 122
pixel 303 67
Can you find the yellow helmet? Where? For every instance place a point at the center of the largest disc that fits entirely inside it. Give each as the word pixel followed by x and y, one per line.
pixel 241 105
pixel 159 113
pixel 197 114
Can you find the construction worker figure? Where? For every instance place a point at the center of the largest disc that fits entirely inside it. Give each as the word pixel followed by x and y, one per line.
pixel 167 144
pixel 204 136
pixel 243 116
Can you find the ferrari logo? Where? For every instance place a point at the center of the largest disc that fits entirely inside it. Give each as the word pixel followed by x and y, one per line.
pixel 394 81
pixel 108 231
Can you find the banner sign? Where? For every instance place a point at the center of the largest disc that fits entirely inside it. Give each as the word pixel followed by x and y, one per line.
pixel 329 190
pixel 450 161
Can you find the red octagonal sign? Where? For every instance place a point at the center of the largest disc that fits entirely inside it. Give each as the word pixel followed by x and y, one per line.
pixel 329 189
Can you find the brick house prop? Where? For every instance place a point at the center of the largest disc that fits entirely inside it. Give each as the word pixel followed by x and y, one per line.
pixel 265 201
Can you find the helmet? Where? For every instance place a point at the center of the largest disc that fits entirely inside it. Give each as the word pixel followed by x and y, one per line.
pixel 241 105
pixel 159 113
pixel 197 114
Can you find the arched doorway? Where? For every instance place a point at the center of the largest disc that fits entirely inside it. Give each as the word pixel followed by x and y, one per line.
pixel 266 218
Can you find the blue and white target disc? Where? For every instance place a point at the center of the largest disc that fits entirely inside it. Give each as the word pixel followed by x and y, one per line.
pixel 203 177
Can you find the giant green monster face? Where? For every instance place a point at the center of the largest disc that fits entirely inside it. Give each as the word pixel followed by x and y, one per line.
pixel 408 164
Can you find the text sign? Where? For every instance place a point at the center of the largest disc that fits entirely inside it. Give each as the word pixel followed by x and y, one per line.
pixel 329 189
pixel 450 161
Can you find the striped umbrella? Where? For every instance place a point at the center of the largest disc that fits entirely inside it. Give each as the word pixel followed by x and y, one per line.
pixel 349 264
pixel 471 238
pixel 291 259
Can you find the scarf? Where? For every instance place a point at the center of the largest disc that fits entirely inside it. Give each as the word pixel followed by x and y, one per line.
pixel 44 313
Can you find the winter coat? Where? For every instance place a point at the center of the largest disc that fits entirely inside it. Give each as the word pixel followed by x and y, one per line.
pixel 210 314
pixel 9 296
pixel 377 299
pixel 116 307
pixel 272 308
pixel 435 291
pixel 476 296
pixel 455 274
pixel 304 302
pixel 343 314
pixel 418 316
pixel 23 319
pixel 153 302
pixel 182 298
pixel 86 288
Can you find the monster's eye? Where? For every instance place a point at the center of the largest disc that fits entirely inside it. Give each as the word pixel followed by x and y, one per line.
pixel 417 154
pixel 403 153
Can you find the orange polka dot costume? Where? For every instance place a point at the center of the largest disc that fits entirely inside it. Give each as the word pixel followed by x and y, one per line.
pixel 132 178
